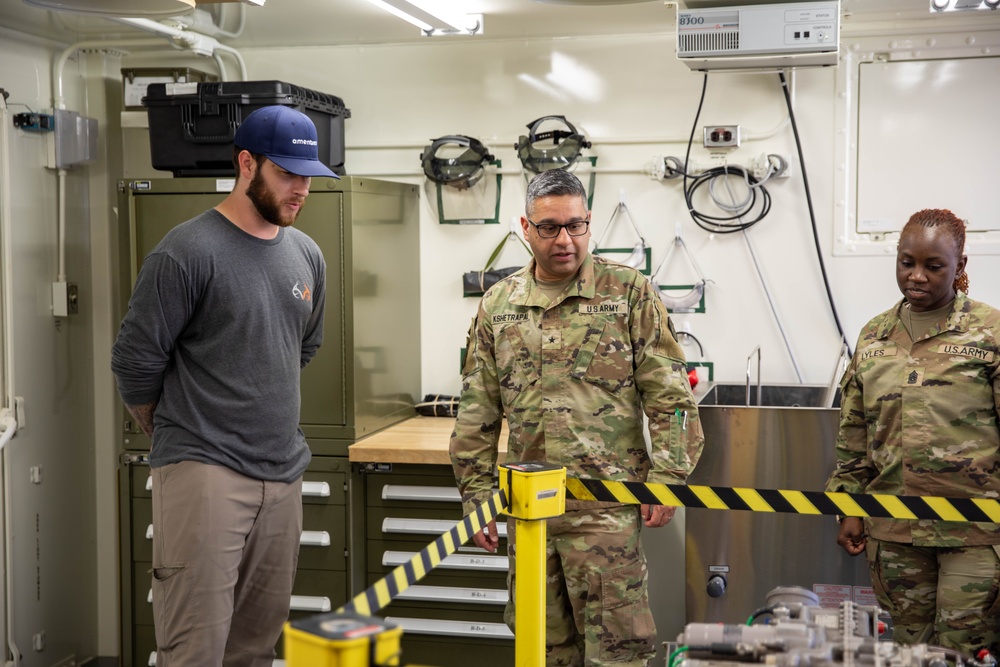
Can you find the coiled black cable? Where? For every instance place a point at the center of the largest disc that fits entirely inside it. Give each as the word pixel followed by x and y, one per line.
pixel 720 224
pixel 724 224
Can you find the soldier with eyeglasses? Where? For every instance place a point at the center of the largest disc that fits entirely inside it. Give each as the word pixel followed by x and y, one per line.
pixel 573 350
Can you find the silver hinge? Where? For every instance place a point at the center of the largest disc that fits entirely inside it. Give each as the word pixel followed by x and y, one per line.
pixel 135 459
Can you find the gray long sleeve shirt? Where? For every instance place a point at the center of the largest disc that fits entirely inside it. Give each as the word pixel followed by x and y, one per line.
pixel 219 326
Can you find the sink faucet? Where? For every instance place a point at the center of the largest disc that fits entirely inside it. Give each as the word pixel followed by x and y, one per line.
pixel 756 351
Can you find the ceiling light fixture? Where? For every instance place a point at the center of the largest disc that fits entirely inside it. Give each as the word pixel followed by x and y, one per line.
pixel 149 9
pixel 153 9
pixel 433 17
pixel 939 6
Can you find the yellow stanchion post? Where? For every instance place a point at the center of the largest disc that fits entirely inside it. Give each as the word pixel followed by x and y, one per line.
pixel 339 639
pixel 535 492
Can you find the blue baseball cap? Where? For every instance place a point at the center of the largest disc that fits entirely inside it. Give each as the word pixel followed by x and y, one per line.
pixel 286 137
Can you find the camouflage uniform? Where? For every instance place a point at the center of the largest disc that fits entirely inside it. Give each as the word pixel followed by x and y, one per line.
pixel 573 378
pixel 921 418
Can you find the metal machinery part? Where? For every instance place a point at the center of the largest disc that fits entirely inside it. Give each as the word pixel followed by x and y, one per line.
pixel 801 634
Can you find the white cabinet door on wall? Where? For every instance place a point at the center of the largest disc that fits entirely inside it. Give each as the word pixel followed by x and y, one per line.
pixel 925 141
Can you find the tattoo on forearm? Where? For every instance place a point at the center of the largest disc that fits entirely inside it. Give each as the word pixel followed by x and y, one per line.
pixel 143 415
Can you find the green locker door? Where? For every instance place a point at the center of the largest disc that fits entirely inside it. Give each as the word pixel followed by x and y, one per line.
pixel 324 391
pixel 168 203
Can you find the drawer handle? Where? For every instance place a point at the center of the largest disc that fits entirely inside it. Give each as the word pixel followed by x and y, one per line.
pixel 455 594
pixel 314 538
pixel 427 526
pixel 309 538
pixel 316 489
pixel 312 489
pixel 152 661
pixel 452 562
pixel 311 603
pixel 299 602
pixel 437 494
pixel 422 626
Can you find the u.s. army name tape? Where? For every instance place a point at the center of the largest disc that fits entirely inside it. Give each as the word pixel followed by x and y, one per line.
pixel 386 589
pixel 679 495
pixel 778 500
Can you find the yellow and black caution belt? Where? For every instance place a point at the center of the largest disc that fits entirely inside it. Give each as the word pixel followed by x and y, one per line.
pixel 389 587
pixel 794 502
pixel 385 590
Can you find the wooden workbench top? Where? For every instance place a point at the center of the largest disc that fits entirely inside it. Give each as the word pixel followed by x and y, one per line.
pixel 415 440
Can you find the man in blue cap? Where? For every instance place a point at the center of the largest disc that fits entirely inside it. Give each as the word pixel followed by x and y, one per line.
pixel 225 313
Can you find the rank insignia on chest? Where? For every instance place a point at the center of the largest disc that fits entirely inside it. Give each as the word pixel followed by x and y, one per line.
pixel 551 340
pixel 914 377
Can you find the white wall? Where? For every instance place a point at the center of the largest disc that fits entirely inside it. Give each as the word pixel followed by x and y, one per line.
pixel 54 519
pixel 618 88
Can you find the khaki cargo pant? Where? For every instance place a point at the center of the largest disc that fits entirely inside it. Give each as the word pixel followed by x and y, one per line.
pixel 942 596
pixel 596 599
pixel 225 549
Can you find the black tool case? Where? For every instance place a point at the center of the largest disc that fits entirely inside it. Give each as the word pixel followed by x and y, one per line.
pixel 191 125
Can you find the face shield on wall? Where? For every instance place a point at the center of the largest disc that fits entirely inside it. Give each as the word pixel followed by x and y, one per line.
pixel 552 149
pixel 455 160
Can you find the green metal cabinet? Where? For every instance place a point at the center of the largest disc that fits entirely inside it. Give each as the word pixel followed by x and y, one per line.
pixel 366 376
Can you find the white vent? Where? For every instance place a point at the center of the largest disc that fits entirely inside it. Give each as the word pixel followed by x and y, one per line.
pixel 705 41
pixel 756 37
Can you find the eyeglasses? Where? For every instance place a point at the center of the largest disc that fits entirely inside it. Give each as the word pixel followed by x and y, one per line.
pixel 548 230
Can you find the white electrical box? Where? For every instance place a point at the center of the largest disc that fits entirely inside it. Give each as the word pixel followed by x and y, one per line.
pixel 74 141
pixel 759 37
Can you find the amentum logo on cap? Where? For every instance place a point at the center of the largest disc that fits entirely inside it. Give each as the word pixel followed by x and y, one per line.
pixel 287 137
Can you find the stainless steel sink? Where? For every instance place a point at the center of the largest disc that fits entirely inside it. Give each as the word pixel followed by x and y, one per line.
pixel 789 396
pixel 735 557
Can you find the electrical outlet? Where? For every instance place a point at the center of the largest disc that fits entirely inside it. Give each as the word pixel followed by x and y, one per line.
pixel 778 166
pixel 60 299
pixel 722 136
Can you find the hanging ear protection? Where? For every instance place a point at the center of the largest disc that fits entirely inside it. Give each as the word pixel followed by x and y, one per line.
pixel 444 161
pixel 554 149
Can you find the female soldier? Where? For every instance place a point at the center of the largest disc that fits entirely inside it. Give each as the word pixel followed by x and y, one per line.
pixel 919 416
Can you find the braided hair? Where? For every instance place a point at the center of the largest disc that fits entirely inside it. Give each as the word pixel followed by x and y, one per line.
pixel 953 226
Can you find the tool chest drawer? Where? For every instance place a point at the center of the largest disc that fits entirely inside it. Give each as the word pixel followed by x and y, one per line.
pixel 457 606
pixel 455 643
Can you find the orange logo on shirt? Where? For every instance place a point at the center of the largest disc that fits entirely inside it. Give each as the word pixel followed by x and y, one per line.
pixel 303 292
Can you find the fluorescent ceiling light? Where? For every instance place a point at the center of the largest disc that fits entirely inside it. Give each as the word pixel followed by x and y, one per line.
pixel 474 21
pixel 432 16
pixel 123 8
pixel 939 6
pixel 401 14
